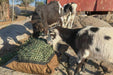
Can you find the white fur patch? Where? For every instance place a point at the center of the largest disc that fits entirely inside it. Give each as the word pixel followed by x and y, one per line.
pixel 74 6
pixel 86 54
pixel 79 61
pixel 105 46
pixel 60 7
pixel 57 40
pixel 62 19
pixel 84 30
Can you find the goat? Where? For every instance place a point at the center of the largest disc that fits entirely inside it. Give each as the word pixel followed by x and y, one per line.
pixel 88 42
pixel 44 16
pixel 37 25
pixel 69 12
pixel 49 14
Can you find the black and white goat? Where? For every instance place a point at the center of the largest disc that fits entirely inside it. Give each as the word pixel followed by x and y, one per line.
pixel 69 12
pixel 93 42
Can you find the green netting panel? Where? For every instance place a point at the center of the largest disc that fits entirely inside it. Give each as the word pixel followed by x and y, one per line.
pixel 35 51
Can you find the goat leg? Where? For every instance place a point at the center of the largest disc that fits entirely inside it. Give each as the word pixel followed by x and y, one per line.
pixel 83 66
pixel 79 66
pixel 67 64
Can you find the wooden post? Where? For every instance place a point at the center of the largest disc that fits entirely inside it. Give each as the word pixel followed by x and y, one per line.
pixel 35 3
pixel 13 11
pixel 25 6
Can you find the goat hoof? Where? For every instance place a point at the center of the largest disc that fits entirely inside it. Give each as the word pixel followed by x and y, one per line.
pixel 77 73
pixel 83 68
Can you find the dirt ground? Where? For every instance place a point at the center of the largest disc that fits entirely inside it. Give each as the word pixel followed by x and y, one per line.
pixel 92 67
pixel 20 18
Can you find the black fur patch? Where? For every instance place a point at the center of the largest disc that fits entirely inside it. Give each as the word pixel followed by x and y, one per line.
pixel 94 29
pixel 97 49
pixel 83 41
pixel 68 35
pixel 107 37
pixel 76 41
pixel 68 7
pixel 62 47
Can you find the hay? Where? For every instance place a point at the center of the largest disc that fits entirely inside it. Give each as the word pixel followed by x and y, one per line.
pixel 35 51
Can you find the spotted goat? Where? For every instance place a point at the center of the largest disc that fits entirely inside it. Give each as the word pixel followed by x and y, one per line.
pixel 88 42
pixel 69 13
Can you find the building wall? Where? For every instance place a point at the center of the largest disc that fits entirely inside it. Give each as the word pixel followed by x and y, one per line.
pixel 90 5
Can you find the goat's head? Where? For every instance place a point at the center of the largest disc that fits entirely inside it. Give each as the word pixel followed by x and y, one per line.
pixel 67 8
pixel 51 36
pixel 70 7
pixel 58 44
pixel 56 6
pixel 55 38
pixel 37 27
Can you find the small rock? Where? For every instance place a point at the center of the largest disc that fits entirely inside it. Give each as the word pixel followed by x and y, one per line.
pixel 107 67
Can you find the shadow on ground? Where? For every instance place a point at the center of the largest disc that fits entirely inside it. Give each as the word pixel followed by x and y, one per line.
pixel 12 35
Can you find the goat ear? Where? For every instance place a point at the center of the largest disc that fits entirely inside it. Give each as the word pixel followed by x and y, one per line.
pixel 71 9
pixel 33 21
